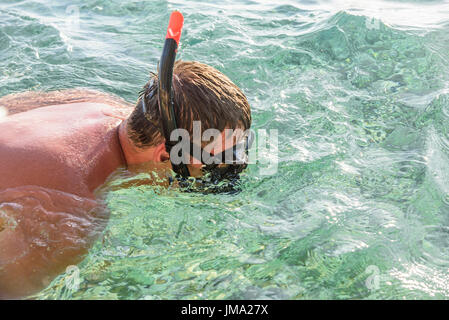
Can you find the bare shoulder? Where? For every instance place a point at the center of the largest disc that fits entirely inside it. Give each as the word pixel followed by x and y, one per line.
pixel 29 100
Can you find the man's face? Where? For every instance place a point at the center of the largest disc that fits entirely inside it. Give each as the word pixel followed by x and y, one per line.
pixel 215 145
pixel 160 167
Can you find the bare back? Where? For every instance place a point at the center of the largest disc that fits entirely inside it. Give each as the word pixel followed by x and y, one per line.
pixel 25 101
pixel 51 160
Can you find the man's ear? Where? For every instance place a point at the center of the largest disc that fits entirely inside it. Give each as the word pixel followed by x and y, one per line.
pixel 160 154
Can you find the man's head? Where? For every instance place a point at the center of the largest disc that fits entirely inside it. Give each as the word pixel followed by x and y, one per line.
pixel 200 93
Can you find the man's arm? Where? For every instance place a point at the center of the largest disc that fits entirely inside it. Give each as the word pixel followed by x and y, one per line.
pixel 25 101
pixel 42 232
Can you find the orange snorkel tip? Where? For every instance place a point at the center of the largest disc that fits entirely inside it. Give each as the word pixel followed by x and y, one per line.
pixel 175 24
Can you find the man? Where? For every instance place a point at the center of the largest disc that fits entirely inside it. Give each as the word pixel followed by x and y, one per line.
pixel 57 148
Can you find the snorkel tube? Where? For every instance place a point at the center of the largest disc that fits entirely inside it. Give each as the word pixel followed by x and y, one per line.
pixel 213 172
pixel 165 77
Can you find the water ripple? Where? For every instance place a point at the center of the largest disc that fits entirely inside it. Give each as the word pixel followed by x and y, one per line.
pixel 359 94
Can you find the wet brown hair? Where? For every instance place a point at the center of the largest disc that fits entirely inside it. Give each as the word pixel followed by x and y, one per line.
pixel 201 93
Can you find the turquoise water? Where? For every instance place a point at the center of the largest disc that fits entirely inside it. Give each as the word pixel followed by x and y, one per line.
pixel 359 93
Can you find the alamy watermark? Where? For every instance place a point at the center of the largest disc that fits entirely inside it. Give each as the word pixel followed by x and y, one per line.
pixel 372 23
pixel 235 146
pixel 372 282
pixel 73 17
pixel 72 279
pixel 3 113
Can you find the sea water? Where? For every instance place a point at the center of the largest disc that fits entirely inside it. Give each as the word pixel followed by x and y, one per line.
pixel 358 91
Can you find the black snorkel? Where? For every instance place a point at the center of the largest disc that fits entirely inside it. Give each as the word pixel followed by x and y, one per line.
pixel 165 95
pixel 236 156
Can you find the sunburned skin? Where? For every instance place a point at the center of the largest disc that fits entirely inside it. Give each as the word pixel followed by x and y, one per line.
pixel 44 231
pixel 52 158
pixel 57 146
pixel 56 150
